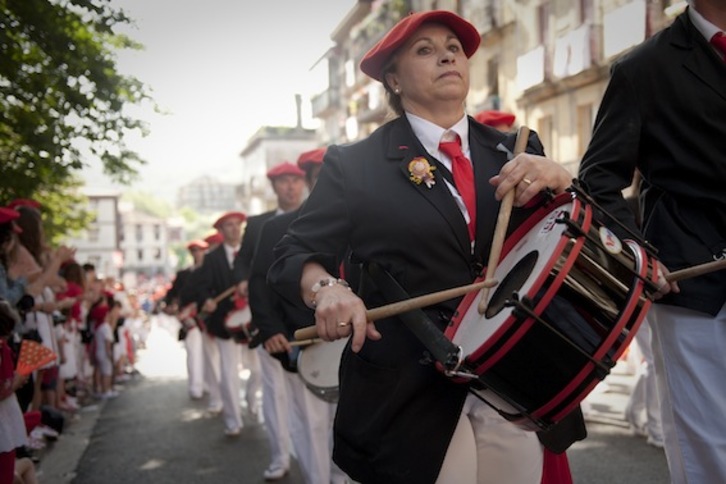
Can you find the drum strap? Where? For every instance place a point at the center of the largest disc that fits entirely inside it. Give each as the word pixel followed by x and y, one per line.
pixel 440 347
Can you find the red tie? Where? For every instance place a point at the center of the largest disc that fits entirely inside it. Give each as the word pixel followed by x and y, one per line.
pixel 719 41
pixel 463 178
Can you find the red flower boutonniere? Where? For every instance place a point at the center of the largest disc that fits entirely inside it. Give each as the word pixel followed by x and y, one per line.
pixel 421 171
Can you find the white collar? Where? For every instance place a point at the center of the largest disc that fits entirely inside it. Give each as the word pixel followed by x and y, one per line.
pixel 430 134
pixel 707 29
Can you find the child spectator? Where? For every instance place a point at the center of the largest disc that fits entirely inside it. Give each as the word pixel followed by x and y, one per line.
pixel 103 347
pixel 12 425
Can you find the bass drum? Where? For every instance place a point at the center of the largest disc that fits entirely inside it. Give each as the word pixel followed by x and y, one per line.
pixel 318 366
pixel 570 298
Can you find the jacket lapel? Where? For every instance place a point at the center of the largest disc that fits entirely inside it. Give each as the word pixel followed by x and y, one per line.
pixel 487 162
pixel 698 60
pixel 404 147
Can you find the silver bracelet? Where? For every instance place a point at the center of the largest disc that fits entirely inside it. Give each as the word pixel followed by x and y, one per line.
pixel 328 281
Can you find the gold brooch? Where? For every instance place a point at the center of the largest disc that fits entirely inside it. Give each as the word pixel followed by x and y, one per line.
pixel 421 171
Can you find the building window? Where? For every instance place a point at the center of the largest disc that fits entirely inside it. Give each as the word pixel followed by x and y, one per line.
pixel 140 254
pixel 139 233
pixel 157 232
pixel 157 254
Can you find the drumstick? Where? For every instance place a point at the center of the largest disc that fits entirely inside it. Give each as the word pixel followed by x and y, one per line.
pixel 305 342
pixel 399 307
pixel 219 297
pixel 695 271
pixel 500 231
pixel 224 294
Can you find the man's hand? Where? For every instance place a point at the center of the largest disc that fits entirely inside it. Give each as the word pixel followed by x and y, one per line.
pixel 277 344
pixel 209 306
pixel 243 288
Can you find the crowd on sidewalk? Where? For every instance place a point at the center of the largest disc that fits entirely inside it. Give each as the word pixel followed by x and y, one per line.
pixel 90 326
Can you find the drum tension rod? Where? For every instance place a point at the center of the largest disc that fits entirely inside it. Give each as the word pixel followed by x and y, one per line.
pixel 523 310
pixel 573 229
pixel 578 190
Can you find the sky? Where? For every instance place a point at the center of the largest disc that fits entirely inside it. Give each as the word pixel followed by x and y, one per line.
pixel 220 69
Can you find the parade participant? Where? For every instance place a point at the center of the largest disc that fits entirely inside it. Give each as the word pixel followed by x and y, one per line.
pixel 498 120
pixel 219 272
pixel 189 331
pixel 391 200
pixel 662 114
pixel 288 184
pixel 276 321
pixel 213 240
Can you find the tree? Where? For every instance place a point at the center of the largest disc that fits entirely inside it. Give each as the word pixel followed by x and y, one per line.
pixel 62 99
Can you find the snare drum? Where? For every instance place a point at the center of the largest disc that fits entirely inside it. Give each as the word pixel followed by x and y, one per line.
pixel 238 321
pixel 570 298
pixel 318 366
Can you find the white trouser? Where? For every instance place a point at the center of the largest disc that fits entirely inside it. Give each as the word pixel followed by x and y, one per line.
pixel 251 361
pixel 644 397
pixel 313 445
pixel 224 358
pixel 194 345
pixel 688 349
pixel 487 449
pixel 275 409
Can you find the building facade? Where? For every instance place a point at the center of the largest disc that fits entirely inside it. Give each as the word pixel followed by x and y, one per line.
pixel 269 146
pixel 144 243
pixel 208 195
pixel 99 243
pixel 547 61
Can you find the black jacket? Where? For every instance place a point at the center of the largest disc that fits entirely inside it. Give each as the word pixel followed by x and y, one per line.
pixel 395 415
pixel 663 114
pixel 246 254
pixel 213 278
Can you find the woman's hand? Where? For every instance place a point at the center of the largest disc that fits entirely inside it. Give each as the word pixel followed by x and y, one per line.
pixel 528 175
pixel 337 310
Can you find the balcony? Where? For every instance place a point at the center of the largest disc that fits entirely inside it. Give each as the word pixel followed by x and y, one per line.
pixel 325 103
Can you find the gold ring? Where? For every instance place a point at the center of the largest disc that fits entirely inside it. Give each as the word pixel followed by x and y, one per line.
pixel 527 181
pixel 343 324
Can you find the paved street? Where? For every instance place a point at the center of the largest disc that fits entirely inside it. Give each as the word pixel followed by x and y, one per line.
pixel 152 433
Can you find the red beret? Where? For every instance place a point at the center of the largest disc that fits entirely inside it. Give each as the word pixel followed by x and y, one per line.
pixel 199 244
pixel 229 215
pixel 285 168
pixel 24 202
pixel 8 215
pixel 312 157
pixel 495 118
pixel 377 58
pixel 214 239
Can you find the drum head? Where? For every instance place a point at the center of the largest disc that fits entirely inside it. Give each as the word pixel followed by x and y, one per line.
pixel 318 366
pixel 236 320
pixel 523 270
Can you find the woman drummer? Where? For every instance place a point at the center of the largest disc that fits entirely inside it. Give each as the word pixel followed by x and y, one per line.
pixel 400 200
